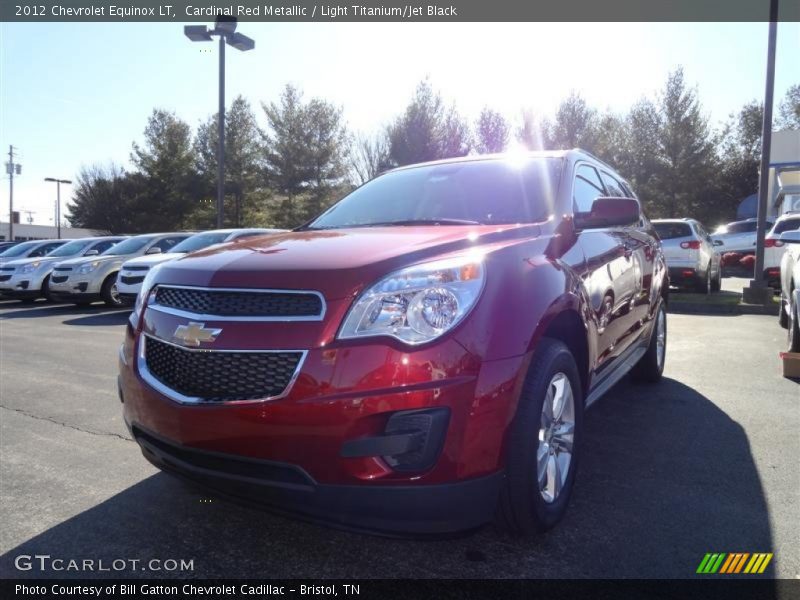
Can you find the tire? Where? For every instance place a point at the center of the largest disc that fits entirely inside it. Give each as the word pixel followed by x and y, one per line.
pixel 527 504
pixel 793 334
pixel 46 290
pixel 109 291
pixel 783 315
pixel 703 286
pixel 650 367
pixel 716 283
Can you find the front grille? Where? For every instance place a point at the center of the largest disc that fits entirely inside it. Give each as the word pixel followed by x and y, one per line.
pixel 134 268
pixel 130 280
pixel 65 269
pixel 5 277
pixel 213 376
pixel 59 278
pixel 7 269
pixel 239 303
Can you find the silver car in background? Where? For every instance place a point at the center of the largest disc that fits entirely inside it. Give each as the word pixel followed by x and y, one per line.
pixel 30 278
pixel 133 271
pixel 692 256
pixel 85 280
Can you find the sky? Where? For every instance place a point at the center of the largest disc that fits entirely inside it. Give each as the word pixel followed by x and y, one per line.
pixel 72 95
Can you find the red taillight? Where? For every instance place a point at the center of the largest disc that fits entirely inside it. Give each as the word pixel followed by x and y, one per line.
pixel 693 245
pixel 772 243
pixel 774 272
pixel 688 272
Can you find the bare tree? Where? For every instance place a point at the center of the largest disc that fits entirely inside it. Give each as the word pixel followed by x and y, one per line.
pixel 369 156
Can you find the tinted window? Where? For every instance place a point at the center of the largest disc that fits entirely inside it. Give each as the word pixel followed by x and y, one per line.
pixel 787 225
pixel 613 186
pixel 670 231
pixel 45 249
pixel 484 191
pixel 70 249
pixel 104 245
pixel 129 246
pixel 167 243
pixel 18 250
pixel 587 188
pixel 199 241
pixel 742 227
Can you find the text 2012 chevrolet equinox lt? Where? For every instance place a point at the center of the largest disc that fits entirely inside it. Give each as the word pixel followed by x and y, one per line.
pixel 417 359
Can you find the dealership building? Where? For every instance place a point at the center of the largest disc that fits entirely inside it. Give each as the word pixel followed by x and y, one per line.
pixel 25 231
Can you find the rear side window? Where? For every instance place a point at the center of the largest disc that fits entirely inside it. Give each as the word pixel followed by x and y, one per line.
pixel 613 186
pixel 587 188
pixel 104 245
pixel 787 225
pixel 670 231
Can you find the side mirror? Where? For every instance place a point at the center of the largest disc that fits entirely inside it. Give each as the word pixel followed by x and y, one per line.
pixel 719 243
pixel 92 252
pixel 790 237
pixel 609 212
pixel 153 250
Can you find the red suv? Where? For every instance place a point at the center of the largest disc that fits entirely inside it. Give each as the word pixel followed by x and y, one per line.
pixel 417 359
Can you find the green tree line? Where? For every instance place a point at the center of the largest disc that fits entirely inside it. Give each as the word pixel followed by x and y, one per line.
pixel 303 158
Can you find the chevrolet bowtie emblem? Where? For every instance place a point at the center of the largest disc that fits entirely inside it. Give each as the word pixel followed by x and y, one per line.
pixel 194 333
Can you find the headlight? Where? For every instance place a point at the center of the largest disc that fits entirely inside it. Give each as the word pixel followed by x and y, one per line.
pixel 88 267
pixel 30 267
pixel 144 291
pixel 419 303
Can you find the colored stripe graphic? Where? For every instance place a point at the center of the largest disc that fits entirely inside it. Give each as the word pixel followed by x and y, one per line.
pixel 734 562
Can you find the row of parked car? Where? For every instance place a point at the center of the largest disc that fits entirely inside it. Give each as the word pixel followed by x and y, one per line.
pixel 107 268
pixel 696 258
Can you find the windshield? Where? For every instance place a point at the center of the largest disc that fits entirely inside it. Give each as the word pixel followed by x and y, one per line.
pixel 129 246
pixel 199 241
pixel 670 231
pixel 70 249
pixel 787 225
pixel 19 249
pixel 493 191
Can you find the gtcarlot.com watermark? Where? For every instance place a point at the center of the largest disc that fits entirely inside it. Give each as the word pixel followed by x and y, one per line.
pixel 47 563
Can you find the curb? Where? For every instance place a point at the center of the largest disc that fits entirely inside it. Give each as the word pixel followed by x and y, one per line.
pixel 697 308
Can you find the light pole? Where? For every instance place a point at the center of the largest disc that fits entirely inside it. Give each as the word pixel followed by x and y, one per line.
pixel 58 200
pixel 225 28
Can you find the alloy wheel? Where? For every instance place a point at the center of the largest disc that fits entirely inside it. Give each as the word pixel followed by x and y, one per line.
pixel 661 337
pixel 556 438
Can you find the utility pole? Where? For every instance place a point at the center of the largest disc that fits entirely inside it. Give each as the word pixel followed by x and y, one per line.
pixel 11 168
pixel 58 183
pixel 758 292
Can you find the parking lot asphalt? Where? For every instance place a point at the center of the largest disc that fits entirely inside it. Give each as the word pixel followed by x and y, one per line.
pixel 705 461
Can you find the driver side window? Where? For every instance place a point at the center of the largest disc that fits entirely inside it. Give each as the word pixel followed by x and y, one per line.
pixel 587 188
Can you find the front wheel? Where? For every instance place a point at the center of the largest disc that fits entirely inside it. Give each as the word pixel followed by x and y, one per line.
pixel 46 290
pixel 109 291
pixel 716 283
pixel 543 443
pixel 651 366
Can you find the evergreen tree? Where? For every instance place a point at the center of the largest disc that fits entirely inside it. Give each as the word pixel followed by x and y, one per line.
pixel 492 132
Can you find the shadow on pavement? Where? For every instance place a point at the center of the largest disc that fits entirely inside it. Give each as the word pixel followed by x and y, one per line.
pixel 665 477
pixel 45 309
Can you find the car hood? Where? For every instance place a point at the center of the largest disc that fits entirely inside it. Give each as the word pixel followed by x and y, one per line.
pixel 45 260
pixel 151 260
pixel 338 263
pixel 75 262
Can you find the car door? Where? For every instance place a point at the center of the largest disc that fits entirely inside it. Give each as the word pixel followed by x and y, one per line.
pixel 608 279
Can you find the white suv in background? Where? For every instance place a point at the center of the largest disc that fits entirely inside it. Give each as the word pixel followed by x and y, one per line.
pixel 85 280
pixel 31 276
pixel 774 248
pixel 691 254
pixel 133 272
pixel 739 236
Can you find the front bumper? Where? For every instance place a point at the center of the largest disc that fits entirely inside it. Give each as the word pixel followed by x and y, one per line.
pixel 28 285
pixel 396 509
pixel 77 288
pixel 343 393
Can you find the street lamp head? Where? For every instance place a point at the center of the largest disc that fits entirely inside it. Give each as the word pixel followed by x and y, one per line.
pixel 197 33
pixel 240 42
pixel 225 24
pixel 50 179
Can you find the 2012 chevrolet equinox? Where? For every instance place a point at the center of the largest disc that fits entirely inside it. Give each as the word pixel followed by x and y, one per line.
pixel 416 359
